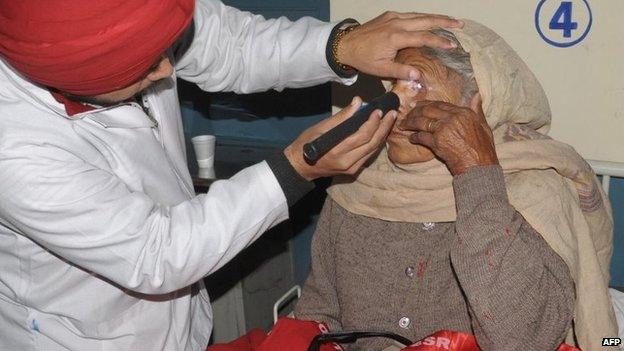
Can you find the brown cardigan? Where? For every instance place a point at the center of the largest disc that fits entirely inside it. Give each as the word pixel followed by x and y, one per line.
pixel 489 273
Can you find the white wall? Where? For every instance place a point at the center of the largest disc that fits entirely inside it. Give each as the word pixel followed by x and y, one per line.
pixel 585 83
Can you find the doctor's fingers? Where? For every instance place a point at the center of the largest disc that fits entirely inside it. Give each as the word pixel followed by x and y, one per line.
pixel 426 22
pixel 380 134
pixel 360 163
pixel 407 39
pixel 392 15
pixel 363 134
pixel 373 146
pixel 369 132
pixel 354 159
pixel 327 124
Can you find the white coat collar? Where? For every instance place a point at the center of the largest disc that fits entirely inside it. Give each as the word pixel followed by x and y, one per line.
pixel 14 85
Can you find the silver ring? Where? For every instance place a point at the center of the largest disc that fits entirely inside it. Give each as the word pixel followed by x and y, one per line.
pixel 430 126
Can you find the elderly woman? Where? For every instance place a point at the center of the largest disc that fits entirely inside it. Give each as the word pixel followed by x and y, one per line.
pixel 471 219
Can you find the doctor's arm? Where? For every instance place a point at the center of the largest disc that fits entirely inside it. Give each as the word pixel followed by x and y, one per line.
pixel 237 51
pixel 89 217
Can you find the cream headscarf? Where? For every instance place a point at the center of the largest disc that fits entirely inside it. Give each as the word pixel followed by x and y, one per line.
pixel 547 182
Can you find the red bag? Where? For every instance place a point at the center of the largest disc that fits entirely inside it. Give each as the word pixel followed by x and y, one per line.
pixel 295 335
pixel 566 347
pixel 248 342
pixel 288 334
pixel 446 340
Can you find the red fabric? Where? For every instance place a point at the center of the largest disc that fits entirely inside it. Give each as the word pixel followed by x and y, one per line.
pixel 89 47
pixel 249 342
pixel 71 107
pixel 288 334
pixel 295 335
pixel 446 340
pixel 565 347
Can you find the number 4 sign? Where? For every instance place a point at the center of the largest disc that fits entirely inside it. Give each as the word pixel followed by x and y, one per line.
pixel 563 19
pixel 563 23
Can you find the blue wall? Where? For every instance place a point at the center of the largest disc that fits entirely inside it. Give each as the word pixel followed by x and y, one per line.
pixel 276 118
pixel 293 9
pixel 616 193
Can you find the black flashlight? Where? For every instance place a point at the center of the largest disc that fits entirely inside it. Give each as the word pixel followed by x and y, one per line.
pixel 318 147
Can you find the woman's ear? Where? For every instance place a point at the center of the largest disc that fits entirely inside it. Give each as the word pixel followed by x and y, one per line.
pixel 476 104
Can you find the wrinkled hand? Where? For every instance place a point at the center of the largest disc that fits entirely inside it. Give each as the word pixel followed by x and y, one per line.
pixel 372 47
pixel 457 135
pixel 348 156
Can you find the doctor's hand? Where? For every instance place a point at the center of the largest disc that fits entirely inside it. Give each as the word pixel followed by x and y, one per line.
pixel 460 136
pixel 348 156
pixel 372 47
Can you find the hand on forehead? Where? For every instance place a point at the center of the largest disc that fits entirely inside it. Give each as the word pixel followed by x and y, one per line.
pixel 437 82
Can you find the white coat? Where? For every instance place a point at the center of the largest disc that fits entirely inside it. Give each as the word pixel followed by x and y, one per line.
pixel 102 238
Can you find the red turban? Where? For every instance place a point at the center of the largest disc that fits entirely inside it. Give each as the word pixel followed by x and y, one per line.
pixel 89 47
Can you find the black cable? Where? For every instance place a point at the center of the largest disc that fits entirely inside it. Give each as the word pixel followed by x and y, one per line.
pixel 353 336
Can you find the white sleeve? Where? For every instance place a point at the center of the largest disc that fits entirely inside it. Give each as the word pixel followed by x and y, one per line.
pixel 237 51
pixel 90 218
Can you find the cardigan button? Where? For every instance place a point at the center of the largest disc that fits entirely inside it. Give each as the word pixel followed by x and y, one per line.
pixel 410 271
pixel 404 322
pixel 428 225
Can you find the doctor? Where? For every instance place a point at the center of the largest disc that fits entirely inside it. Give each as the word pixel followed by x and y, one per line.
pixel 103 242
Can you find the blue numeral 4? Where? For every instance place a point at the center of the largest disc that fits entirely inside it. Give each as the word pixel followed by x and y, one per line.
pixel 562 20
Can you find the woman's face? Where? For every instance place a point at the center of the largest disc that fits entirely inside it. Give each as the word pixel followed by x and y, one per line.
pixel 436 83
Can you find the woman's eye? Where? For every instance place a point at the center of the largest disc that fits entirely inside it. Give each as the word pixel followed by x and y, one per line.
pixel 416 85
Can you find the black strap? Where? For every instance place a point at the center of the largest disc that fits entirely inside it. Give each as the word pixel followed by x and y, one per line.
pixel 329 52
pixel 352 337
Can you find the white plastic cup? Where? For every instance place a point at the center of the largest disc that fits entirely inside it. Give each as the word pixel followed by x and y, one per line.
pixel 206 173
pixel 204 146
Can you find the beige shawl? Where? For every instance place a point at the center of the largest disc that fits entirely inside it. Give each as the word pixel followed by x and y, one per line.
pixel 547 181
